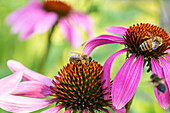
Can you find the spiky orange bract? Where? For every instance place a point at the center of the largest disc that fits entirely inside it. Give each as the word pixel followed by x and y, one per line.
pixel 58 7
pixel 80 87
pixel 135 36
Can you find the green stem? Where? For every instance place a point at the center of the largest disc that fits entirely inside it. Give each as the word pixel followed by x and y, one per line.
pixel 128 105
pixel 44 59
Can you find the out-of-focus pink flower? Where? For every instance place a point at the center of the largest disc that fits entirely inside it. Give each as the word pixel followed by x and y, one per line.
pixel 76 88
pixel 127 79
pixel 15 103
pixel 38 17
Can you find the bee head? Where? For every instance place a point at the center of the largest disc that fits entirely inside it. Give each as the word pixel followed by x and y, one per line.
pixel 153 75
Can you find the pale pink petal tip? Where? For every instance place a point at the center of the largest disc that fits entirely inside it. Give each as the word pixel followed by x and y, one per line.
pixel 117 30
pixel 29 75
pixel 10 83
pixel 15 66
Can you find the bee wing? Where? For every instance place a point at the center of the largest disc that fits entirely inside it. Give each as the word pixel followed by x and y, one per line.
pixel 155 45
pixel 73 54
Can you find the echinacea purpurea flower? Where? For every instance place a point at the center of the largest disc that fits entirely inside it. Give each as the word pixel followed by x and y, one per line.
pixel 127 79
pixel 39 17
pixel 77 88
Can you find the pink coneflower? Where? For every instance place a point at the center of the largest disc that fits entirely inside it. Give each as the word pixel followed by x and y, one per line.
pixel 77 88
pixel 127 79
pixel 39 17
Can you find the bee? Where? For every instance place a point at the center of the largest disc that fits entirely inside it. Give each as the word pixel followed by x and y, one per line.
pixel 151 44
pixel 78 58
pixel 158 83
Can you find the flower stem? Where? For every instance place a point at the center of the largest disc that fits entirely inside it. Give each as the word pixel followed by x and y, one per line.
pixel 44 59
pixel 128 105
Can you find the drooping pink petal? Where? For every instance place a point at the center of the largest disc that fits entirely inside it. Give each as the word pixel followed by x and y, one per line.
pixel 9 83
pixel 55 109
pixel 23 104
pixel 163 99
pixel 101 40
pixel 46 23
pixel 31 19
pixel 126 81
pixel 84 21
pixel 28 75
pixel 122 110
pixel 107 70
pixel 22 23
pixel 26 21
pixel 70 32
pixel 32 89
pixel 117 30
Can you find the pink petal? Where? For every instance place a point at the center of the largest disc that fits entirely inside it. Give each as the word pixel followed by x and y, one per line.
pixel 163 99
pixel 167 57
pixel 46 23
pixel 27 20
pixel 13 17
pixel 168 51
pixel 126 81
pixel 28 75
pixel 23 104
pixel 9 83
pixel 55 109
pixel 107 70
pixel 84 21
pixel 71 33
pixel 117 30
pixel 32 18
pixel 166 69
pixel 101 40
pixel 123 110
pixel 32 89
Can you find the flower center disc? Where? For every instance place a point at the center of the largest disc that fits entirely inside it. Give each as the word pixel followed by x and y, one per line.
pixel 148 40
pixel 58 7
pixel 79 87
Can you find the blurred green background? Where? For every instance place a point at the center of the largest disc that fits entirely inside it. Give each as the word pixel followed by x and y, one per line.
pixel 105 13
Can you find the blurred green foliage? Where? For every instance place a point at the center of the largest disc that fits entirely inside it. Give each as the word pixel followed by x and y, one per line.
pixel 105 13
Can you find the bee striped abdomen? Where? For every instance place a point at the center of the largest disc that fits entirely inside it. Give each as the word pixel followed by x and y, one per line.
pixel 146 45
